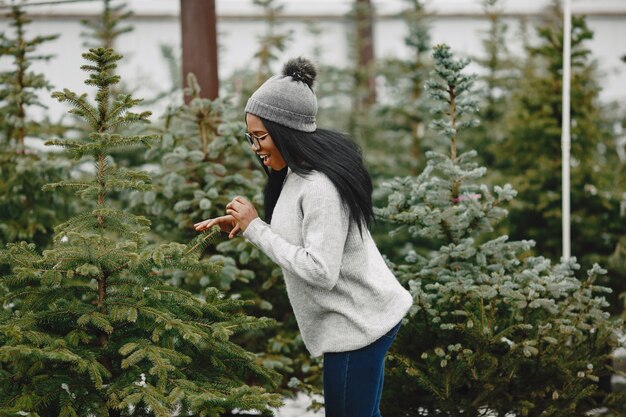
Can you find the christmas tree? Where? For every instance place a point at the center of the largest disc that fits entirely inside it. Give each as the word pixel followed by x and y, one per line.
pixel 204 162
pixel 103 32
pixel 529 156
pixel 500 77
pixel 404 116
pixel 492 331
pixel 26 212
pixel 272 43
pixel 399 119
pixel 91 327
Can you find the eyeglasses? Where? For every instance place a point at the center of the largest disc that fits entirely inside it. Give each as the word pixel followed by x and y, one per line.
pixel 254 139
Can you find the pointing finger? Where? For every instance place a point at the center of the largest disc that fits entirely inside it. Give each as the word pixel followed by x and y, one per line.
pixel 202 224
pixel 207 224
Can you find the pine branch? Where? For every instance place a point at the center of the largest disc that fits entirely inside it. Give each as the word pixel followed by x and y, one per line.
pixel 82 108
pixel 70 184
pixel 202 242
pixel 122 103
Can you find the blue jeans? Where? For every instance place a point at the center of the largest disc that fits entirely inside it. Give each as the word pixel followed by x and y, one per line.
pixel 353 381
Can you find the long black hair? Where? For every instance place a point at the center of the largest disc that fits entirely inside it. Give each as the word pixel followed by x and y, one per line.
pixel 332 153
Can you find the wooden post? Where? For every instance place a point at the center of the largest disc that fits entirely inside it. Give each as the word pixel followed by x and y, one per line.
pixel 199 37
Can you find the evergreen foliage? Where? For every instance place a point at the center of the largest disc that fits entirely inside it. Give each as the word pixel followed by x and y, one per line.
pixel 91 327
pixel 271 44
pixel 204 164
pixel 103 32
pixel 25 211
pixel 501 76
pixel 400 113
pixel 399 121
pixel 345 96
pixel 20 85
pixel 404 114
pixel 492 331
pixel 530 156
pixel 169 91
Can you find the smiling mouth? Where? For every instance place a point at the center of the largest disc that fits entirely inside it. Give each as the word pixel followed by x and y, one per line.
pixel 264 157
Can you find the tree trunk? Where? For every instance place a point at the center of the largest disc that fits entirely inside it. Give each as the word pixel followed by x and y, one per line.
pixel 364 18
pixel 199 37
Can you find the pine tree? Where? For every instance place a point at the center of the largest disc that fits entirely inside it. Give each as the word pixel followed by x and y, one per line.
pixel 404 117
pixel 103 32
pixel 272 43
pixel 90 327
pixel 530 156
pixel 203 165
pixel 19 85
pixel 501 76
pixel 350 87
pixel 377 122
pixel 492 331
pixel 25 211
pixel 399 120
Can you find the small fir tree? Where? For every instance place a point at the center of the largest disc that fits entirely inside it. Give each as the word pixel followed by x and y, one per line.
pixel 272 43
pixel 530 156
pixel 492 330
pixel 111 24
pixel 168 92
pixel 91 327
pixel 404 116
pixel 203 165
pixel 501 76
pixel 26 212
pixel 400 119
pixel 19 84
pixel 104 31
pixel 353 79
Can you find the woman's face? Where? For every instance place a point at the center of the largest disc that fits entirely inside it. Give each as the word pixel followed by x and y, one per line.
pixel 264 147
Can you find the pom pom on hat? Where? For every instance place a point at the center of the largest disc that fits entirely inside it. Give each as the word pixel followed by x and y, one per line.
pixel 288 99
pixel 300 69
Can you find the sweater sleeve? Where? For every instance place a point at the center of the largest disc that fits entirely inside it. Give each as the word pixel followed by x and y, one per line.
pixel 325 226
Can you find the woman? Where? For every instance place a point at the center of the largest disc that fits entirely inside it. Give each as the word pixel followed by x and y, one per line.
pixel 318 207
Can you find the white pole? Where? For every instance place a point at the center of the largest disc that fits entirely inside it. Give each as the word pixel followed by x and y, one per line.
pixel 565 132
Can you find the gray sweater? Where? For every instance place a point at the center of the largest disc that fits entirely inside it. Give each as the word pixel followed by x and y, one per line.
pixel 342 293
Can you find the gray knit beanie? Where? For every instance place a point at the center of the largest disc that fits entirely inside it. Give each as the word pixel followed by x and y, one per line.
pixel 288 99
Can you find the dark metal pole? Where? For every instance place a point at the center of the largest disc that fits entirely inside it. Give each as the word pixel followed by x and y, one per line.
pixel 199 37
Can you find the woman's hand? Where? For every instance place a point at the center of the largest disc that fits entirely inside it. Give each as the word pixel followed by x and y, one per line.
pixel 227 224
pixel 243 211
